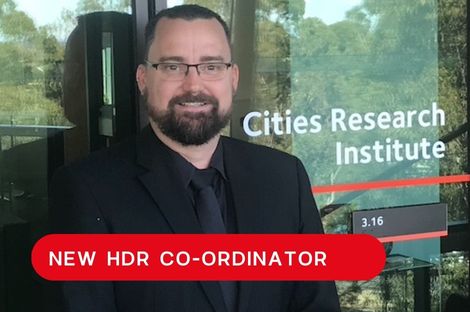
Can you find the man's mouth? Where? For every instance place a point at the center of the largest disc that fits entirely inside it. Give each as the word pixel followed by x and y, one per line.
pixel 192 104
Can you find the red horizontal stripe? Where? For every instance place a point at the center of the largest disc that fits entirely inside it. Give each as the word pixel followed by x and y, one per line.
pixel 374 185
pixel 412 236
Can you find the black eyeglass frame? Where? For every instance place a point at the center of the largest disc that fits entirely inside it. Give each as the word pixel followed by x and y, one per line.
pixel 155 65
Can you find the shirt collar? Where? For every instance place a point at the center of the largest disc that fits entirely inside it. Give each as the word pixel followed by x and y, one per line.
pixel 217 160
pixel 186 169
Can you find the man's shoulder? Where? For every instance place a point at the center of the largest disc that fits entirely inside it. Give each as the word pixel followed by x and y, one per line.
pixel 121 158
pixel 118 157
pixel 265 165
pixel 256 152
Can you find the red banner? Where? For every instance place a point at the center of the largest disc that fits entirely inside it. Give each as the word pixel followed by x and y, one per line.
pixel 208 257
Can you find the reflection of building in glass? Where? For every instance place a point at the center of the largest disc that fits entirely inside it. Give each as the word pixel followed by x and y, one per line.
pixel 98 83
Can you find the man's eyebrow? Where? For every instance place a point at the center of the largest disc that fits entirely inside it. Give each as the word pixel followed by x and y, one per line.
pixel 179 59
pixel 164 59
pixel 212 59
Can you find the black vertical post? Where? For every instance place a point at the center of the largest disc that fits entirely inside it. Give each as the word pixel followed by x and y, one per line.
pixel 143 10
pixel 422 290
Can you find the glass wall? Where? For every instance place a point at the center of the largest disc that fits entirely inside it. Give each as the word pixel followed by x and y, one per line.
pixel 361 90
pixel 48 117
pixel 365 91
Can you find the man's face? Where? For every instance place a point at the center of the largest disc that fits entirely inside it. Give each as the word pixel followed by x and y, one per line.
pixel 190 111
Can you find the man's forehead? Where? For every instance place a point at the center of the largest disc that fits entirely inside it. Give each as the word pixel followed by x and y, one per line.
pixel 174 35
pixel 166 25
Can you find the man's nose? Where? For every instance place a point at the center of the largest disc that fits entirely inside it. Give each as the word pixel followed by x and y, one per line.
pixel 192 82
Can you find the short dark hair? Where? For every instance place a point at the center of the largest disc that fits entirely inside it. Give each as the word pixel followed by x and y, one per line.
pixel 187 12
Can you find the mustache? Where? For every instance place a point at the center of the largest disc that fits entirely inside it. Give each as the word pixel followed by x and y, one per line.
pixel 188 97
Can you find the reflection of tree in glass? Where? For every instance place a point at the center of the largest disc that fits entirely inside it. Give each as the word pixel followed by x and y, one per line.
pixel 366 63
pixel 454 275
pixel 31 59
pixel 453 97
pixel 381 57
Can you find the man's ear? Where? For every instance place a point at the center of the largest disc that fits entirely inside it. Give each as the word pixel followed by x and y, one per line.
pixel 235 77
pixel 141 78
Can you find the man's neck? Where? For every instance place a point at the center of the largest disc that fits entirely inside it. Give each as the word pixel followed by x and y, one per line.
pixel 198 155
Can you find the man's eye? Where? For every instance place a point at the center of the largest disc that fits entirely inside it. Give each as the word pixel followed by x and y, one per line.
pixel 170 67
pixel 212 67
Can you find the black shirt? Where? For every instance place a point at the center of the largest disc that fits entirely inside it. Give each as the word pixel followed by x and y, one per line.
pixel 220 185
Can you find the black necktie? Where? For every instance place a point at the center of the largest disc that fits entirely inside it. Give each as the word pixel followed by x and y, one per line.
pixel 210 218
pixel 207 206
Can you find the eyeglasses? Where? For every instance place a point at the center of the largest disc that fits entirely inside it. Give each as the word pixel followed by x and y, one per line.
pixel 178 71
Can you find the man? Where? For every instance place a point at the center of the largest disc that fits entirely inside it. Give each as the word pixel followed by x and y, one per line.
pixel 150 184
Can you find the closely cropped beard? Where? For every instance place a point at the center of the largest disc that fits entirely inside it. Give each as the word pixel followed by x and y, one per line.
pixel 190 128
